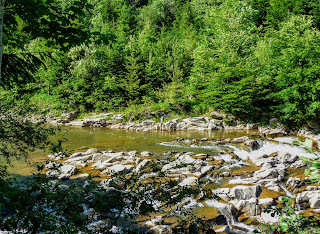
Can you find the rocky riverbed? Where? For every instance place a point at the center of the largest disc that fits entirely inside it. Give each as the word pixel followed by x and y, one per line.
pixel 228 189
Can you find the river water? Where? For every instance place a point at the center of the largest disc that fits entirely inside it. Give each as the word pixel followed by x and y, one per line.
pixel 80 139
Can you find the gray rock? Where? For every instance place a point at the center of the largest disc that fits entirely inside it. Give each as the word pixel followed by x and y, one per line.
pixel 217 115
pixel 249 207
pixel 142 165
pixel 160 229
pixel 92 151
pixel 145 153
pixel 266 202
pixel 293 183
pixel 242 192
pixel 118 169
pixel 240 139
pixel 188 182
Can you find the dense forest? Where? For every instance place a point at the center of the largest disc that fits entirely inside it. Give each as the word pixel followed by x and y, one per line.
pixel 254 59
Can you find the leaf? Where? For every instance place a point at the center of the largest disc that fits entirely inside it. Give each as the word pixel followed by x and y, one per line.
pixel 284 226
pixel 308 143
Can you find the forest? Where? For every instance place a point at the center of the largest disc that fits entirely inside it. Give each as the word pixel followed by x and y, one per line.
pixel 254 59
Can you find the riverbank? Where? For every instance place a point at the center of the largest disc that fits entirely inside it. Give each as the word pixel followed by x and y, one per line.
pixel 159 121
pixel 235 184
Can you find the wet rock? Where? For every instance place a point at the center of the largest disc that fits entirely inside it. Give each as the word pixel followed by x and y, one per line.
pixel 92 151
pixel 250 207
pixel 245 192
pixel 223 193
pixel 293 183
pixel 253 144
pixel 188 182
pixel 223 230
pixel 142 165
pixel 240 139
pixel 160 229
pixel 220 220
pixel 116 169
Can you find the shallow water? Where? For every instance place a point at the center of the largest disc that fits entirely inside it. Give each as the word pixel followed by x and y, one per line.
pixel 80 139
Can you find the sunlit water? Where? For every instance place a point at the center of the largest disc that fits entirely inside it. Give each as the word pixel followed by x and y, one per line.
pixel 80 139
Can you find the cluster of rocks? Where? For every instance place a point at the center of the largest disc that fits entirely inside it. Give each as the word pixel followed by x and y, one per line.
pixel 215 121
pixel 243 197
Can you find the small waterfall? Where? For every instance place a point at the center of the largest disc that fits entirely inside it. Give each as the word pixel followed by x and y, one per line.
pixel 288 193
pixel 225 210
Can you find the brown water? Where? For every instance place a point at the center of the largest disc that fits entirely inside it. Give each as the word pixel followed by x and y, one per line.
pixel 80 139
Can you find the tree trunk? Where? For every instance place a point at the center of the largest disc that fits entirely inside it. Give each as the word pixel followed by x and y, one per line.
pixel 1 30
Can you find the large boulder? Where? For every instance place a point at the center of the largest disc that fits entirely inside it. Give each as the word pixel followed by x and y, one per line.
pixel 242 192
pixel 250 207
pixel 188 182
pixel 118 169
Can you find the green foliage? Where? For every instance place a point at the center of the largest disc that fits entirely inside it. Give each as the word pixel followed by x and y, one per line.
pixel 290 221
pixel 254 59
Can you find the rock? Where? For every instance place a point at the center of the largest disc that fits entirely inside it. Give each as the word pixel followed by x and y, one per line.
pixel 293 183
pixel 220 220
pixel 250 207
pixel 79 159
pixel 58 156
pixel 92 151
pixel 188 182
pixel 265 202
pixel 142 165
pixel 100 157
pixel 145 154
pixel 306 196
pixel 115 182
pixel 240 139
pixel 272 173
pixel 77 154
pixel 82 176
pixel 242 192
pixel 223 230
pixel 158 220
pixel 160 229
pixel 204 170
pixel 315 201
pixel 273 185
pixel 223 193
pixel 148 123
pixel 217 115
pixel 285 158
pixel 63 172
pixel 116 169
pixel 253 144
